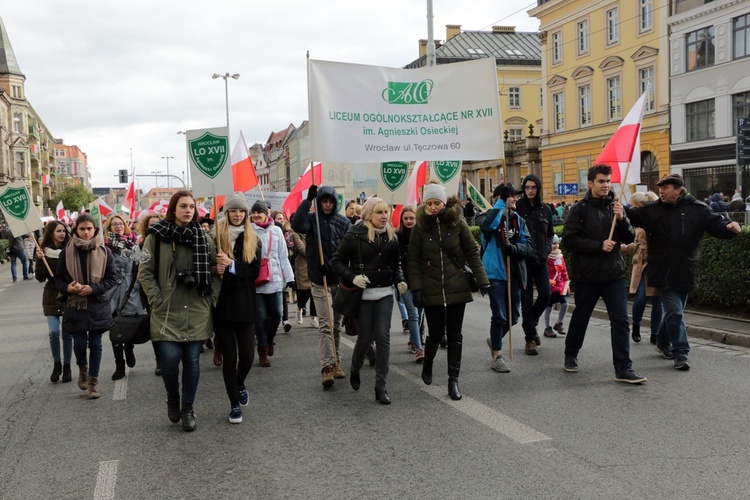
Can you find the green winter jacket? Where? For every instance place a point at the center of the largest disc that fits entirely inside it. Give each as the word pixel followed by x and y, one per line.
pixel 178 314
pixel 430 269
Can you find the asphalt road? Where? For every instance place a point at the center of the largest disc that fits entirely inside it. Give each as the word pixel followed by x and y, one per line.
pixel 536 432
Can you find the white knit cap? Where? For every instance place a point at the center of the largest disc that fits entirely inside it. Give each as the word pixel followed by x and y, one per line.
pixel 435 192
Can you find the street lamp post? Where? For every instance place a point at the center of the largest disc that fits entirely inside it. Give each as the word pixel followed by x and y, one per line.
pixel 187 157
pixel 157 173
pixel 168 180
pixel 226 77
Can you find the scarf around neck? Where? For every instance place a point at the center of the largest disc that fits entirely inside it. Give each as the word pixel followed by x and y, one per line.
pixel 96 265
pixel 234 233
pixel 191 236
pixel 119 241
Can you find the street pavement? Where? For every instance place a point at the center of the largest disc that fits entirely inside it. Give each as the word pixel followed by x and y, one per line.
pixel 537 432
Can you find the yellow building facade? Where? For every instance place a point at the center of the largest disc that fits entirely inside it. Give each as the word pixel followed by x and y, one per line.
pixel 597 59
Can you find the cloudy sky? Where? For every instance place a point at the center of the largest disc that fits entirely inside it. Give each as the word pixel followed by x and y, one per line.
pixel 114 76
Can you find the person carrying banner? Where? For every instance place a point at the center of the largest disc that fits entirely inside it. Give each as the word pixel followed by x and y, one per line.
pixel 333 227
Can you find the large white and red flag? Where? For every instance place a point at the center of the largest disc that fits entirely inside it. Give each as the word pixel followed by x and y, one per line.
pixel 104 209
pixel 244 177
pixel 60 211
pixel 417 179
pixel 130 199
pixel 303 184
pixel 625 145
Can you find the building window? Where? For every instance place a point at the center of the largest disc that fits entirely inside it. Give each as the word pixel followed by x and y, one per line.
pixel 699 117
pixel 700 48
pixel 646 77
pixel 646 15
pixel 557 47
pixel 584 105
pixel 740 108
pixel 20 164
pixel 514 97
pixel 515 134
pixel 17 122
pixel 583 37
pixel 558 106
pixel 541 97
pixel 741 36
pixel 613 26
pixel 16 89
pixel 614 98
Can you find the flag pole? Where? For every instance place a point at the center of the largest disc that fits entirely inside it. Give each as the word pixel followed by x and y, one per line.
pixel 38 247
pixel 507 275
pixel 216 208
pixel 622 190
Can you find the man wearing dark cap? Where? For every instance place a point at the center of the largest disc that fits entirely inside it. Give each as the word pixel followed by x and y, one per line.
pixel 597 270
pixel 538 217
pixel 674 227
pixel 504 234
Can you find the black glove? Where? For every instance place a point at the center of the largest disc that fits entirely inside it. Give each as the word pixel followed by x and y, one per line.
pixel 292 285
pixel 312 193
pixel 504 191
pixel 417 298
pixel 485 289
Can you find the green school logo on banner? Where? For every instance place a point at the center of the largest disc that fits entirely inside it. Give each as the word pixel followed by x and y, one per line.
pixel 477 197
pixel 446 170
pixel 394 174
pixel 209 153
pixel 16 203
pixel 408 92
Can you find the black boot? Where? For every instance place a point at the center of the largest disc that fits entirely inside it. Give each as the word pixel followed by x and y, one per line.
pixel 381 396
pixel 56 372
pixel 430 349
pixel 636 333
pixel 454 367
pixel 67 376
pixel 188 418
pixel 173 407
pixel 129 355
pixel 119 369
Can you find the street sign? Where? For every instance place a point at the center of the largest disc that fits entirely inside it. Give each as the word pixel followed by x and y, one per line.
pixel 743 141
pixel 567 189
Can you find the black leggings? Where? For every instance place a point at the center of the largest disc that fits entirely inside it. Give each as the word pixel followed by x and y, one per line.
pixel 235 340
pixel 302 297
pixel 445 320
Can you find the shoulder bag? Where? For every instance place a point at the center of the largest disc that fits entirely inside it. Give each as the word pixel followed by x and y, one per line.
pixel 347 299
pixel 130 329
pixel 264 273
pixel 465 269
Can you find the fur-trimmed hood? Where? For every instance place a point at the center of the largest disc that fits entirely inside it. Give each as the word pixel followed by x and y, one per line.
pixel 451 214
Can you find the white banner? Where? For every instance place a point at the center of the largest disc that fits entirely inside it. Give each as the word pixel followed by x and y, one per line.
pixel 210 168
pixel 274 199
pixel 392 182
pixel 361 114
pixel 20 213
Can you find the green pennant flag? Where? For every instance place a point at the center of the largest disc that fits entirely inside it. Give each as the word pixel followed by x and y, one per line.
pixel 476 197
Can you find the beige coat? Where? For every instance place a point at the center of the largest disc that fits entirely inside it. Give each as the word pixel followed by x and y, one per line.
pixel 639 250
pixel 300 263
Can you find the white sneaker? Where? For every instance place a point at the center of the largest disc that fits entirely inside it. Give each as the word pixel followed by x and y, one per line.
pixel 299 316
pixel 314 323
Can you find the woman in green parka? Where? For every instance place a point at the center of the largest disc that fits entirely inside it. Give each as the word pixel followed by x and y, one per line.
pixel 441 240
pixel 178 275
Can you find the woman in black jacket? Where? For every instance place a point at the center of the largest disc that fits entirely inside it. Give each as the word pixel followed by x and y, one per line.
pixel 368 257
pixel 53 242
pixel 234 314
pixel 85 271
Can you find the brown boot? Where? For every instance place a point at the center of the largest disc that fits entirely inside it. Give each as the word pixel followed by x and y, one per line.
pixel 338 372
pixel 328 378
pixel 83 377
pixel 93 386
pixel 263 356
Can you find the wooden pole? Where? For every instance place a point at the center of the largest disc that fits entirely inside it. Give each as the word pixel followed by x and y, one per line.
pixel 622 187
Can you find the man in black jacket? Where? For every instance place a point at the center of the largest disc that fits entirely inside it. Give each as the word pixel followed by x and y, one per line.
pixel 598 270
pixel 333 227
pixel 538 217
pixel 674 226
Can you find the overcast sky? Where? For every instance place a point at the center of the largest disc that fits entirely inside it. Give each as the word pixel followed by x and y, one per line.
pixel 111 76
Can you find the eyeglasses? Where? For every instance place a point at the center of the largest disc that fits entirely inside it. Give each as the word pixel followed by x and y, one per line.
pixel 117 224
pixel 530 188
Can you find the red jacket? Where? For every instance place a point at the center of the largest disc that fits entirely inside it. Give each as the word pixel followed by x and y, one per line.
pixel 558 273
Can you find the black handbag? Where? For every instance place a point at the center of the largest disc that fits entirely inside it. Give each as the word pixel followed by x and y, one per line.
pixel 347 299
pixel 130 329
pixel 465 270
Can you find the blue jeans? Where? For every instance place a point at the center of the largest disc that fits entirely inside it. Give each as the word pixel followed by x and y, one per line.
pixel 414 314
pixel 672 327
pixel 24 265
pixel 499 306
pixel 92 340
pixel 54 341
pixel 537 275
pixel 374 324
pixel 401 306
pixel 171 354
pixel 615 296
pixel 639 305
pixel 269 316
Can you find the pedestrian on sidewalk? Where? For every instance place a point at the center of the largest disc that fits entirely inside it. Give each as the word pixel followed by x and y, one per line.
pixel 333 227
pixel 598 271
pixel 85 272
pixel 414 314
pixel 178 272
pixel 53 242
pixel 369 257
pixel 675 226
pixel 505 240
pixel 559 284
pixel 304 286
pixel 30 248
pixel 235 311
pixel 16 252
pixel 440 237
pixel 141 228
pixel 638 280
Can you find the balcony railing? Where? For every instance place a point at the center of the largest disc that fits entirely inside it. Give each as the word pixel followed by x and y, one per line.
pixel 680 6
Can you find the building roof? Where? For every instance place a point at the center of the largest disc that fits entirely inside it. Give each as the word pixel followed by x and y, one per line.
pixel 8 63
pixel 508 47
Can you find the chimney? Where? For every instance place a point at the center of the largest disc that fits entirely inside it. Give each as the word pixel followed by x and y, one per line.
pixel 452 30
pixel 503 29
pixel 423 47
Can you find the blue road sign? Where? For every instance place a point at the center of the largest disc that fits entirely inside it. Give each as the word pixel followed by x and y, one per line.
pixel 567 189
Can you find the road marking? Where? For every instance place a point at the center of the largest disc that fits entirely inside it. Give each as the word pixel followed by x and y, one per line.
pixel 105 480
pixel 495 420
pixel 121 390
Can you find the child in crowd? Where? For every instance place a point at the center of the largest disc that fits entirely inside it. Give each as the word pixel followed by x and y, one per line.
pixel 559 283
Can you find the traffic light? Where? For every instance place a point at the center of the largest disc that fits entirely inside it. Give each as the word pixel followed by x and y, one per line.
pixel 123 176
